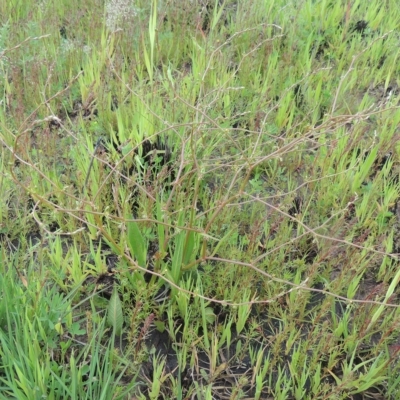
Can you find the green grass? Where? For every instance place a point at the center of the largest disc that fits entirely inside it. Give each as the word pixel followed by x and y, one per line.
pixel 199 199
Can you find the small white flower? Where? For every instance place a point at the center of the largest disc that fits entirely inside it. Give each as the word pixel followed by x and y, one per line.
pixel 118 13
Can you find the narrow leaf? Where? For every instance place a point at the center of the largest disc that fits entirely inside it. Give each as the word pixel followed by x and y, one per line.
pixel 160 227
pixel 179 243
pixel 176 266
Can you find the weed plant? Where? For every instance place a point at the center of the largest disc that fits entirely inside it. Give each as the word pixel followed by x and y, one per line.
pixel 199 199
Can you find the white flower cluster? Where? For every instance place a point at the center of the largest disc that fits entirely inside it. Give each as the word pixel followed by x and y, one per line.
pixel 118 13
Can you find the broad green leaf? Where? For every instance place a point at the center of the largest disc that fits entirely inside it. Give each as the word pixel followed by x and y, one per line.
pixel 137 243
pixel 189 246
pixel 160 326
pixel 114 313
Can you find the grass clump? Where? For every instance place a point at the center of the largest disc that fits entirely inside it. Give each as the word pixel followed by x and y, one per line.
pixel 199 200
